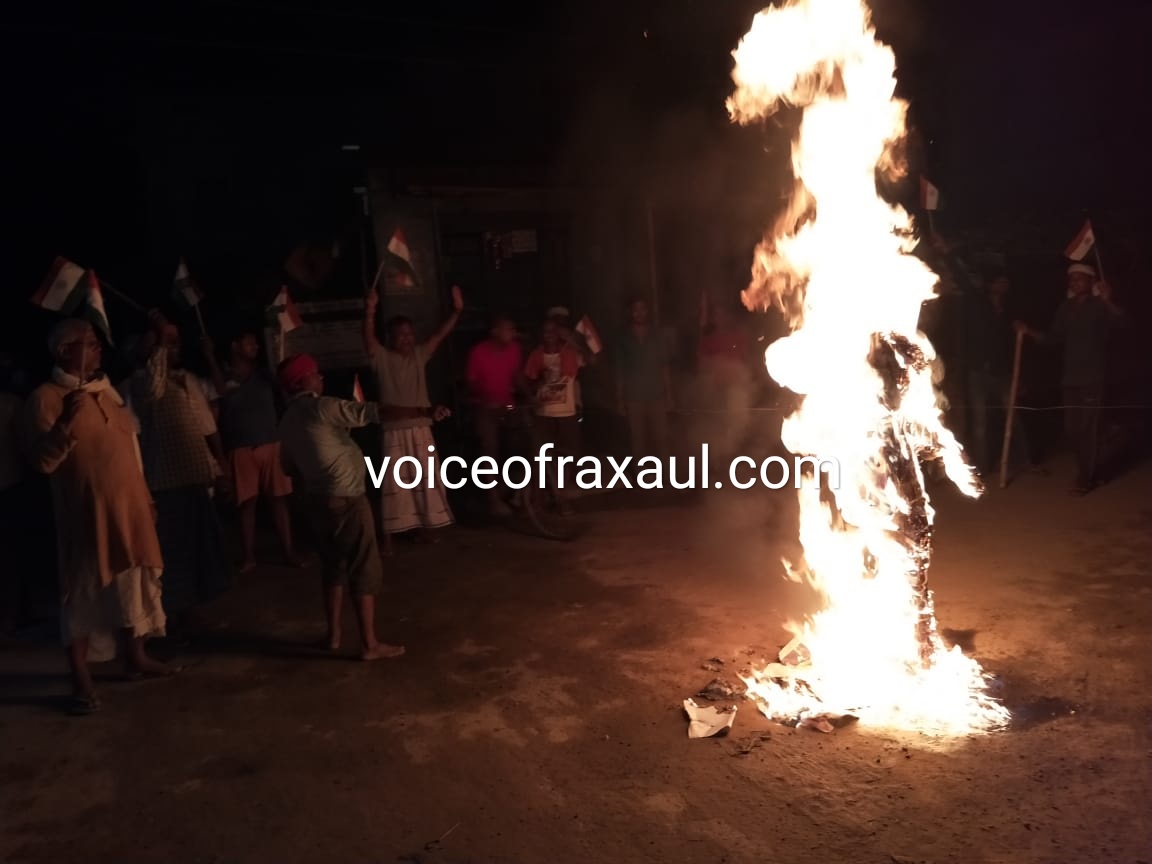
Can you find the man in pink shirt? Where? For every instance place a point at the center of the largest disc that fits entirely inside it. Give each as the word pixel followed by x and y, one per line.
pixel 493 373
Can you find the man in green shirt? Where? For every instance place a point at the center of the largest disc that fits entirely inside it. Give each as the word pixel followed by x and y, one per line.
pixel 318 452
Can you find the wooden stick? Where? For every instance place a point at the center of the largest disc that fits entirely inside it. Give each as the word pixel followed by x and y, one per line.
pixel 376 281
pixel 1099 264
pixel 124 297
pixel 1010 414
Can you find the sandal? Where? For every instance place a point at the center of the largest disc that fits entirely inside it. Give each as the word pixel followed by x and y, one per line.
pixel 82 706
pixel 168 672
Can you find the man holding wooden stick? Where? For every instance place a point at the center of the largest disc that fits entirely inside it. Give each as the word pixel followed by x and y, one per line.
pixel 990 361
pixel 1083 325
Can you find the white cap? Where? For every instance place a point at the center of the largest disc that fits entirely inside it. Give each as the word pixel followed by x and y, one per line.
pixel 1086 269
pixel 557 312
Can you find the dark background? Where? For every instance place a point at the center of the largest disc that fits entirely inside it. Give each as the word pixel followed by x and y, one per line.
pixel 139 133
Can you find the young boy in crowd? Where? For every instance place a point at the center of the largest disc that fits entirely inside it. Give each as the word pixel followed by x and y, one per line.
pixel 317 451
pixel 553 369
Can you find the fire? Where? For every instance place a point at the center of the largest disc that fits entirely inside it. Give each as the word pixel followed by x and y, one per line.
pixel 838 265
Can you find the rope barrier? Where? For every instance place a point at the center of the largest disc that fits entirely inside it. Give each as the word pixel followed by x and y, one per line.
pixel 725 411
pixel 1062 407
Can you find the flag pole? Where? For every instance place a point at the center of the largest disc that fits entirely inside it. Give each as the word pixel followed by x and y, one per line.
pixel 1099 263
pixel 376 281
pixel 200 320
pixel 1010 414
pixel 653 281
pixel 124 297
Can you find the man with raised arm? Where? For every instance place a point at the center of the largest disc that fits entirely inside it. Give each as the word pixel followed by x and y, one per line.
pixel 318 453
pixel 406 418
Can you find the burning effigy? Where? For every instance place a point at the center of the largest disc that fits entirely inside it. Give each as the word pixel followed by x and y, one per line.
pixel 838 264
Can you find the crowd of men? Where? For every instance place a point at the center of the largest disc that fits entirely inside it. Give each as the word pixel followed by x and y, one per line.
pixel 138 470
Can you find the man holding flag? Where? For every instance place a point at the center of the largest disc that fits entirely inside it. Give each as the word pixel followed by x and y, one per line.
pixel 407 416
pixel 110 563
pixel 181 450
pixel 1083 326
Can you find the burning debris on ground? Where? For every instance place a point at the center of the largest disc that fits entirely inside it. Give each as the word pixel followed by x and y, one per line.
pixel 718 690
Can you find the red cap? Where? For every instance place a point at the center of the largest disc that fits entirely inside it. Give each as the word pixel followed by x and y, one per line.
pixel 294 370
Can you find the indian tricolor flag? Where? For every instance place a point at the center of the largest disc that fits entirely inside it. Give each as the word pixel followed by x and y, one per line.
pixel 1082 243
pixel 94 307
pixel 398 246
pixel 63 288
pixel 185 292
pixel 285 310
pixel 357 390
pixel 398 249
pixel 929 196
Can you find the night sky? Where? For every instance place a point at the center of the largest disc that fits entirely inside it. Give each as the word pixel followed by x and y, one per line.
pixel 213 130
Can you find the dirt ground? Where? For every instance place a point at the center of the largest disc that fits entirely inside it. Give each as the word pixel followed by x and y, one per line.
pixel 536 717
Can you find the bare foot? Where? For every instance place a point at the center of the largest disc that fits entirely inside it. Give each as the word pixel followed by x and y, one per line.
pixel 334 641
pixel 382 651
pixel 247 567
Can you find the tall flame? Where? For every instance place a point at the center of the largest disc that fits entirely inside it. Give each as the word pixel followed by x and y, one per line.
pixel 838 264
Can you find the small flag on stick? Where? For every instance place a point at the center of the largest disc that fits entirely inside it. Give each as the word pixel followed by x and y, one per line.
pixel 285 310
pixel 398 249
pixel 63 289
pixel 929 196
pixel 94 307
pixel 398 246
pixel 586 329
pixel 1082 243
pixel 185 292
pixel 357 390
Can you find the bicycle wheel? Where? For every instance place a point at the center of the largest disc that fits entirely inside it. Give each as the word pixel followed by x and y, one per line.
pixel 547 512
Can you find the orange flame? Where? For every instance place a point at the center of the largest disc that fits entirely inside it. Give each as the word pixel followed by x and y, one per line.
pixel 838 265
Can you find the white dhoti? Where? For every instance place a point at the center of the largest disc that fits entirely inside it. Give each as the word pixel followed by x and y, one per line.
pixel 131 602
pixel 426 505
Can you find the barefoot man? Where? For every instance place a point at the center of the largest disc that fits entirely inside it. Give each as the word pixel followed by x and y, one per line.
pixel 80 433
pixel 318 452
